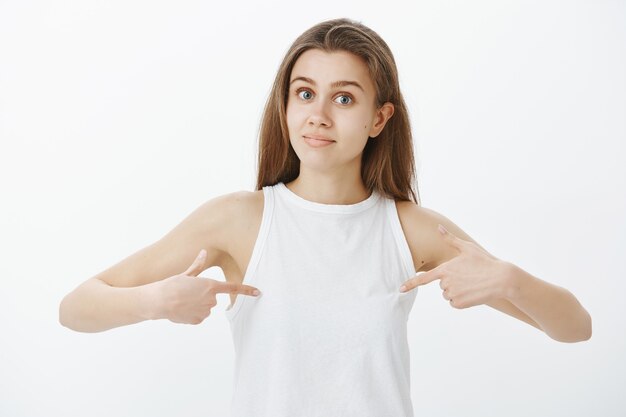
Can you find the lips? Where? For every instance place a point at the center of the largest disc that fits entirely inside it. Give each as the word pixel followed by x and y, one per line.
pixel 315 141
pixel 318 138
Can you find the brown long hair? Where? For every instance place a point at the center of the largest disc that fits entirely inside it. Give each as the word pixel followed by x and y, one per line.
pixel 388 164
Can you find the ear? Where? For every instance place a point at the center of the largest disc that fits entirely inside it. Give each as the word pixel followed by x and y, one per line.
pixel 383 113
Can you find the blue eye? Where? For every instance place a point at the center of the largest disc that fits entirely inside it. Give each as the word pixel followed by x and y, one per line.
pixel 347 97
pixel 303 91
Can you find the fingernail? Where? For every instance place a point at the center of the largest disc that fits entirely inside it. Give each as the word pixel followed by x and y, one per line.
pixel 403 288
pixel 256 292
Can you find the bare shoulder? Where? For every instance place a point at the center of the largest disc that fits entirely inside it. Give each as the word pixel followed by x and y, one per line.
pixel 420 226
pixel 212 226
pixel 241 216
pixel 242 207
pixel 237 208
pixel 221 225
pixel 248 203
pixel 414 221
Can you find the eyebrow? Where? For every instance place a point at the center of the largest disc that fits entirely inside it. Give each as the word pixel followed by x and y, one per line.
pixel 335 84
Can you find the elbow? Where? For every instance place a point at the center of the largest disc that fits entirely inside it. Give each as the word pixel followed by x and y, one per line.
pixel 587 328
pixel 575 338
pixel 72 315
pixel 63 319
pixel 67 317
pixel 582 332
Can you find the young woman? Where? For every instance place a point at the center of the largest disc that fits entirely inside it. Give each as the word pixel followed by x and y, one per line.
pixel 333 237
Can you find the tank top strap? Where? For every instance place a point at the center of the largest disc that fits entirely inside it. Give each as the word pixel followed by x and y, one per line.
pixel 400 238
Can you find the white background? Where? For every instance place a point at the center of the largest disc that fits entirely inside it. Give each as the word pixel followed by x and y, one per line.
pixel 119 118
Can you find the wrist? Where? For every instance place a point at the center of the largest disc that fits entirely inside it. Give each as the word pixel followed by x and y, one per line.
pixel 148 301
pixel 512 281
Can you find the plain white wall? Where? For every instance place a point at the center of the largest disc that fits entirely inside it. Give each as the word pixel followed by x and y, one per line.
pixel 117 119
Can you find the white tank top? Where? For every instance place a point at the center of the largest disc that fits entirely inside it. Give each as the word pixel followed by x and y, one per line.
pixel 327 337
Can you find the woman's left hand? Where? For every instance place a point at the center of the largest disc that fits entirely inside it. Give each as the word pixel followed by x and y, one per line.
pixel 471 278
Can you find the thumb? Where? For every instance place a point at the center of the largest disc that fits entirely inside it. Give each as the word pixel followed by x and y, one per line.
pixel 197 266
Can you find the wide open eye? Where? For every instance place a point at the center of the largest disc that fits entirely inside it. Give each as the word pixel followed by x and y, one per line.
pixel 305 96
pixel 345 96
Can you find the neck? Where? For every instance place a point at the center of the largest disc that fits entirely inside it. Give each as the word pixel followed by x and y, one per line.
pixel 329 189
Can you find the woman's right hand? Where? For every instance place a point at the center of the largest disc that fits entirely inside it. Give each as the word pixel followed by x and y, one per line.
pixel 187 298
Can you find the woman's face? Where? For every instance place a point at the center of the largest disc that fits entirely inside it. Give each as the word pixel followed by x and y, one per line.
pixel 331 96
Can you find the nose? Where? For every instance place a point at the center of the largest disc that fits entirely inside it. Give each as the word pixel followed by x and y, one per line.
pixel 319 114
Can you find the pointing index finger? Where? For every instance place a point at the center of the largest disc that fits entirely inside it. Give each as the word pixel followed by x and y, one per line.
pixel 426 277
pixel 232 288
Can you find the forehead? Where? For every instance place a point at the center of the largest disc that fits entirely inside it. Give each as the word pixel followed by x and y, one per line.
pixel 326 67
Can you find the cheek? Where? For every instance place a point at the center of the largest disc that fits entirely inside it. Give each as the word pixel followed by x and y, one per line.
pixel 294 124
pixel 294 117
pixel 360 124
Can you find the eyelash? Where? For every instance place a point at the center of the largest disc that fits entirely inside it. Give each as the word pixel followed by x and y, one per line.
pixel 299 90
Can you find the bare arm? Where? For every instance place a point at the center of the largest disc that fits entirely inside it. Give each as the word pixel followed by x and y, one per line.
pixel 96 306
pixel 469 276
pixel 554 308
pixel 157 281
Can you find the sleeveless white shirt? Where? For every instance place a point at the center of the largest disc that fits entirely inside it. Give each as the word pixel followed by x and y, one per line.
pixel 327 337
